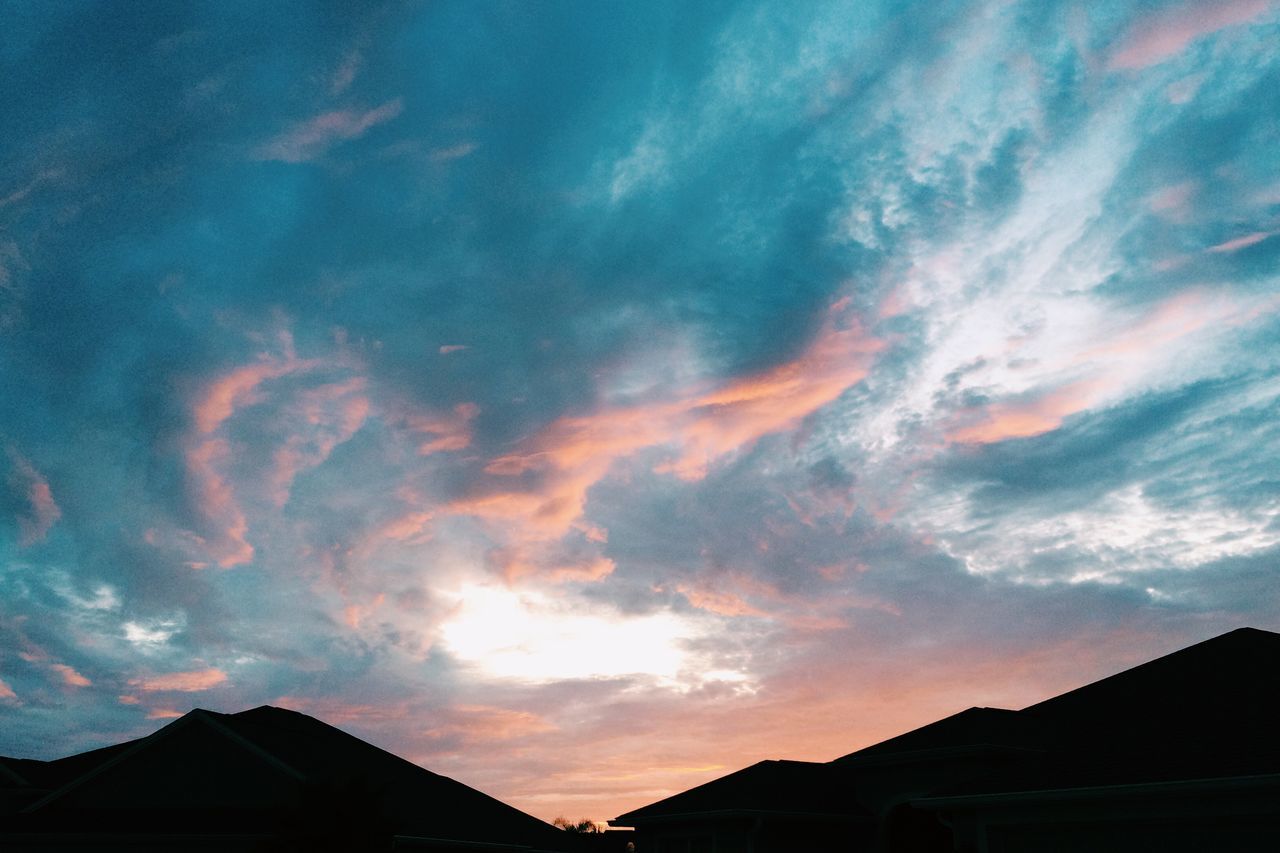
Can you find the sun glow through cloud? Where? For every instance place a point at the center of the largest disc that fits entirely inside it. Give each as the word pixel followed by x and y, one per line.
pixel 532 637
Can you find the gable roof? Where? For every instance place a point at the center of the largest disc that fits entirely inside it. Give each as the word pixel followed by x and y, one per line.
pixel 776 787
pixel 309 753
pixel 419 801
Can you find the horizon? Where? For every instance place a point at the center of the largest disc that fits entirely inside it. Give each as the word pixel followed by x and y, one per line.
pixel 587 404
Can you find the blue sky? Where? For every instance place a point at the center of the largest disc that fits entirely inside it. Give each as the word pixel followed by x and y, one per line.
pixel 585 400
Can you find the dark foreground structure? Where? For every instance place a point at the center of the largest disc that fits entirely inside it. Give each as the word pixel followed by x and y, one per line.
pixel 261 780
pixel 1178 754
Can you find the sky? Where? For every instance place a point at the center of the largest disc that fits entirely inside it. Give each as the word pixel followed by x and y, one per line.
pixel 587 400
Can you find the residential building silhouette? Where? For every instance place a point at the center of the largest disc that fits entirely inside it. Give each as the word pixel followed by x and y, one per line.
pixel 1178 754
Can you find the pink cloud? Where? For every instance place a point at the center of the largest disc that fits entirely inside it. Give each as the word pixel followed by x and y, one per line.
pixel 312 138
pixel 354 614
pixel 1174 202
pixel 1166 324
pixel 43 512
pixel 239 388
pixel 1167 32
pixel 184 682
pixel 720 602
pixel 215 499
pixel 339 712
pixel 448 348
pixel 327 416
pixel 6 692
pixel 207 453
pixel 1242 242
pixel 69 676
pixel 448 431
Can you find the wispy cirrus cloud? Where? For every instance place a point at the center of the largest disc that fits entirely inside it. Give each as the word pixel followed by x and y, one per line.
pixel 1167 32
pixel 314 137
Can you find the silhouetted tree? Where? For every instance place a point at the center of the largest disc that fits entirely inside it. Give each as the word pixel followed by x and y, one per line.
pixel 585 826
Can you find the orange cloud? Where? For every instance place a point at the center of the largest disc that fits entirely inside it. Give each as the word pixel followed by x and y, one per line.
pixel 6 692
pixel 1026 418
pixel 184 682
pixel 1167 32
pixel 70 677
pixel 558 466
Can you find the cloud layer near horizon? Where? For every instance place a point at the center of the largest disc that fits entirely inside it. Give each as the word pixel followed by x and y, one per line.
pixel 590 403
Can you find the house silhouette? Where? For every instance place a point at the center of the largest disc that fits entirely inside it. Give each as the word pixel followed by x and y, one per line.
pixel 1178 754
pixel 263 779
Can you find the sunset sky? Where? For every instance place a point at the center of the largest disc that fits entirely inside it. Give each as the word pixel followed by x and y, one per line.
pixel 585 400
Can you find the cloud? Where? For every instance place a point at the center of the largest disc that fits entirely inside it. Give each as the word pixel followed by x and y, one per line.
pixel 311 139
pixel 69 676
pixel 1167 32
pixel 329 415
pixel 42 511
pixel 163 714
pixel 1242 242
pixel 574 453
pixel 192 681
pixel 477 725
pixel 6 692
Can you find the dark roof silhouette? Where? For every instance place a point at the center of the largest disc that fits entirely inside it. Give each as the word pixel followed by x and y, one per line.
pixel 975 728
pixel 794 787
pixel 209 771
pixel 1202 719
